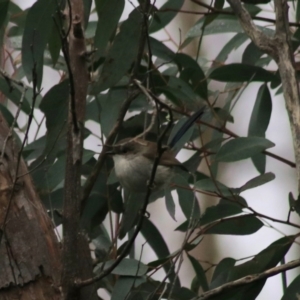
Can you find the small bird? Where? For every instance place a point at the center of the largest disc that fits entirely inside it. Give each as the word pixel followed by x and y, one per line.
pixel 134 159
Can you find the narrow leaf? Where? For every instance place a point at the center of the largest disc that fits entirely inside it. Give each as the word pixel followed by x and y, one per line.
pixel 3 11
pixel 261 113
pixel 109 13
pixel 201 278
pixel 161 19
pixel 233 44
pixel 221 272
pixel 223 209
pixel 120 56
pixel 170 205
pixel 38 26
pixel 187 200
pixel 257 181
pixel 242 225
pixel 127 267
pixel 240 73
pixel 242 148
pixel 293 290
pixel 159 246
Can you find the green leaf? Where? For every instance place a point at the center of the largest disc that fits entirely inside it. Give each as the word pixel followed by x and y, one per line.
pixel 127 267
pixel 294 203
pixel 257 181
pixel 293 290
pixel 223 209
pixel 242 148
pixel 266 259
pixel 242 225
pixel 159 246
pixel 182 91
pixel 298 11
pixel 259 161
pixel 161 19
pixel 193 162
pixel 120 56
pixel 170 205
pixel 232 44
pixel 109 13
pixel 187 200
pixel 132 206
pixel 94 212
pixel 261 113
pixel 259 122
pixel 201 278
pixel 252 54
pixel 191 73
pixel 214 186
pixel 3 11
pixel 38 26
pixel 54 43
pixel 221 24
pixel 8 116
pixel 54 105
pixel 240 73
pixel 87 5
pixel 184 139
pixel 160 50
pixel 111 105
pixel 14 93
pixel 221 272
pixel 123 286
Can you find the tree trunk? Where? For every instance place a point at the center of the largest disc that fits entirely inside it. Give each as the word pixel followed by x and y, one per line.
pixel 30 256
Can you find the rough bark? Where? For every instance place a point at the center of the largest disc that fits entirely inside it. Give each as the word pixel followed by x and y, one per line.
pixel 29 251
pixel 77 263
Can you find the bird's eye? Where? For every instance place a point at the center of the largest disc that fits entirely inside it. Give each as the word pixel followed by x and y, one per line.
pixel 124 150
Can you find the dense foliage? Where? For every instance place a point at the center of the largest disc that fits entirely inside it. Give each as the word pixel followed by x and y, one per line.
pixel 175 85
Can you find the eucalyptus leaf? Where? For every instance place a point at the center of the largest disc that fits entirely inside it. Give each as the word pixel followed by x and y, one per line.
pixel 242 148
pixel 293 290
pixel 38 26
pixel 127 267
pixel 241 72
pixel 257 181
pixel 241 225
pixel 200 274
pixel 159 246
pixel 109 13
pixel 170 205
pixel 4 4
pixel 167 14
pixel 120 56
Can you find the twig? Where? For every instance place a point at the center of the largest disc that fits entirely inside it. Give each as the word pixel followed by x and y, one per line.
pixel 113 133
pixel 34 97
pixel 249 279
pixel 9 135
pixel 222 12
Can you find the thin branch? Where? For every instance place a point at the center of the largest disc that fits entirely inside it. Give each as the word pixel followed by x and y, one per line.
pixel 130 242
pixel 249 279
pixel 222 129
pixel 265 43
pixel 113 133
pixel 222 12
pixel 15 179
pixel 13 123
